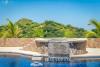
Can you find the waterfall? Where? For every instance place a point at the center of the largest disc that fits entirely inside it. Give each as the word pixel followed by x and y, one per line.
pixel 58 51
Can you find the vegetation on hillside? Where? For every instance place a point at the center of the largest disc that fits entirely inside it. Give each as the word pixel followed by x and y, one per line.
pixel 26 28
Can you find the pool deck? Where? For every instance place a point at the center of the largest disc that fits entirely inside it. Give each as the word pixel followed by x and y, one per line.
pixel 92 52
pixel 18 50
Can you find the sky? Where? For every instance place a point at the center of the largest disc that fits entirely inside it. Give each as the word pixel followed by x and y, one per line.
pixel 75 12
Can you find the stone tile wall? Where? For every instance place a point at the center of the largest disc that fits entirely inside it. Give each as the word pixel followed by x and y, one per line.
pixel 93 43
pixel 30 44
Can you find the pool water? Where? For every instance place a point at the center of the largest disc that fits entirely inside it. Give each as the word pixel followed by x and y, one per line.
pixel 78 64
pixel 14 62
pixel 24 62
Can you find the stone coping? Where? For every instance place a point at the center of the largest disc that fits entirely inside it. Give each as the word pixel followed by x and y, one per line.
pixel 18 50
pixel 60 39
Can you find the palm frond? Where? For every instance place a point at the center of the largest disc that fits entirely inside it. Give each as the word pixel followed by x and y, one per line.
pixel 95 23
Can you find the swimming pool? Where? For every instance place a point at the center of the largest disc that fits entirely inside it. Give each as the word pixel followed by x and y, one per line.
pixel 76 64
pixel 25 62
pixel 14 62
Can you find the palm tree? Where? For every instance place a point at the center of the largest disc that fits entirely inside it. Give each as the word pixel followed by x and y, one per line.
pixel 91 34
pixel 11 30
pixel 97 27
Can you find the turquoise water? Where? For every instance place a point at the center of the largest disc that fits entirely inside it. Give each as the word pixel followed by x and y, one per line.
pixel 14 62
pixel 24 62
pixel 79 64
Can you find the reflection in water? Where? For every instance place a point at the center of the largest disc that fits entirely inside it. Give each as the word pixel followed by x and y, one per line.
pixel 36 64
pixel 78 63
pixel 24 62
pixel 13 64
pixel 93 64
pixel 85 63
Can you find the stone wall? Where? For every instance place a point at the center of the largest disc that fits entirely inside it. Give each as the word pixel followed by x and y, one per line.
pixel 18 42
pixel 78 47
pixel 30 44
pixel 26 43
pixel 2 42
pixel 93 43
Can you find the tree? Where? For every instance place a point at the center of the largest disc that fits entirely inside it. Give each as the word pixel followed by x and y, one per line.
pixel 38 32
pixel 97 27
pixel 2 31
pixel 74 32
pixel 11 30
pixel 91 34
pixel 27 26
pixel 52 29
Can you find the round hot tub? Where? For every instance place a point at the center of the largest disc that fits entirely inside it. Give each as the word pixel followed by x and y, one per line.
pixel 77 45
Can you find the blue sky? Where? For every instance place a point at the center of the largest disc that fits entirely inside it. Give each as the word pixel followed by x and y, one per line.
pixel 75 12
